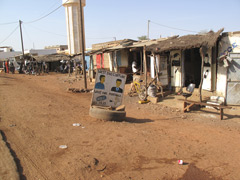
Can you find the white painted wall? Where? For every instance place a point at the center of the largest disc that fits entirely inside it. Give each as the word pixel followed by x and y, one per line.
pixel 40 52
pixel 72 13
pixel 207 72
pixel 230 43
pixel 5 55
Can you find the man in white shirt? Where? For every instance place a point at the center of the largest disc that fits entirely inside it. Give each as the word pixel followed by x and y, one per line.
pixel 135 68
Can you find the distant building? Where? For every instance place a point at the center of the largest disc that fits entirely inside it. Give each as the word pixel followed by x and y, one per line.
pixel 59 48
pixel 39 52
pixel 7 52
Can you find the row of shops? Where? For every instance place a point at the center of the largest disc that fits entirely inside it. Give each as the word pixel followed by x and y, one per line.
pixel 211 61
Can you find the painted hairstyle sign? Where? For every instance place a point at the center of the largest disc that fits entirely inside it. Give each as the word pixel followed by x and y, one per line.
pixel 109 88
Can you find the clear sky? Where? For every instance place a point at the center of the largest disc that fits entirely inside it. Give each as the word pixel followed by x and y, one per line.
pixel 106 19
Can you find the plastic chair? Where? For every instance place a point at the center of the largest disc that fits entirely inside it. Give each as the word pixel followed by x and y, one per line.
pixel 189 92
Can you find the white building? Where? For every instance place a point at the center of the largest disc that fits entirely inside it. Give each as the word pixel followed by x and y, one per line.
pixel 39 52
pixel 228 75
pixel 7 52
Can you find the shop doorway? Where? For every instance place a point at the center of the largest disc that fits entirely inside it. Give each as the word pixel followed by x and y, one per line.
pixel 192 66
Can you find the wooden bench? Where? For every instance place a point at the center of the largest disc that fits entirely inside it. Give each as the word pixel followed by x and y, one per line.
pixel 187 104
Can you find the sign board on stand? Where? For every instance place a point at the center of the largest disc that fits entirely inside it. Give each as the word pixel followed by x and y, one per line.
pixel 108 89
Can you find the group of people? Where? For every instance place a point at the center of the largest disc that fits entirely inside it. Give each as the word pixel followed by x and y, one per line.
pixel 75 67
pixel 8 66
pixel 28 67
pixel 35 68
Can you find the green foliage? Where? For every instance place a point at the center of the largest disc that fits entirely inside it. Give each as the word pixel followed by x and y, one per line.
pixel 142 38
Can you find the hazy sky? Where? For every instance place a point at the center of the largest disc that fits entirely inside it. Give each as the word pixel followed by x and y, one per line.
pixel 107 19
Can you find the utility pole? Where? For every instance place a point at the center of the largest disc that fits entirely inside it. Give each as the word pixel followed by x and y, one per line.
pixel 83 44
pixel 20 25
pixel 148 29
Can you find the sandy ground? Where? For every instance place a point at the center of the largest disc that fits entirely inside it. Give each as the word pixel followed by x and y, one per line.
pixel 37 115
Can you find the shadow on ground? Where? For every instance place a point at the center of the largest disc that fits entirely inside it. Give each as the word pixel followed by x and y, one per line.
pixel 17 161
pixel 134 120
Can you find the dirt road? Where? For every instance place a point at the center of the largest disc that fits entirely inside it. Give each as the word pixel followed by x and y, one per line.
pixel 37 116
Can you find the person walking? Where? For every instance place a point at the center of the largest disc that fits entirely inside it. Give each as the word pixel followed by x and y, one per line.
pixel 11 67
pixel 7 67
pixel 4 67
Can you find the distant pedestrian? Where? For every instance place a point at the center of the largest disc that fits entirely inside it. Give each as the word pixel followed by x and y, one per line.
pixel 46 68
pixel 4 67
pixel 7 67
pixel 11 67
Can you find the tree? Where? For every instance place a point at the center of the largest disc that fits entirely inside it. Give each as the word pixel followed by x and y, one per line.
pixel 142 38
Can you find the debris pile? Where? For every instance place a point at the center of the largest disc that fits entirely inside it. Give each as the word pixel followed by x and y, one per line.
pixel 77 90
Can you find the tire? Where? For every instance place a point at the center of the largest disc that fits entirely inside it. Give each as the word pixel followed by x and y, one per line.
pixel 104 114
pixel 142 93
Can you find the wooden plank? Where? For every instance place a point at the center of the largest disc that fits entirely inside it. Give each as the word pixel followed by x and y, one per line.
pixel 221 113
pixel 206 104
pixel 187 107
pixel 153 100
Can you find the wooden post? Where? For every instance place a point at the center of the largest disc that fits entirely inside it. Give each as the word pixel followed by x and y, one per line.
pixel 112 62
pixel 145 64
pixel 69 68
pixel 221 113
pixel 91 68
pixel 82 35
pixel 101 60
pixel 115 60
pixel 201 83
pixel 141 56
pixel 154 64
pixel 22 60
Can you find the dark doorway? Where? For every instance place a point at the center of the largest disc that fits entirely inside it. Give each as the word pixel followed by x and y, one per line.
pixel 192 67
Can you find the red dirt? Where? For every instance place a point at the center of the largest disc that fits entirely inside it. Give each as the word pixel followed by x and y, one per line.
pixel 37 116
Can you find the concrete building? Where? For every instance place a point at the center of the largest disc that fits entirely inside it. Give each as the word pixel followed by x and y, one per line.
pixel 7 52
pixel 228 74
pixel 39 52
pixel 59 48
pixel 72 9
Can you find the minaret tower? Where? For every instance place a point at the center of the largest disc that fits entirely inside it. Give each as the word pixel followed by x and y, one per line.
pixel 72 9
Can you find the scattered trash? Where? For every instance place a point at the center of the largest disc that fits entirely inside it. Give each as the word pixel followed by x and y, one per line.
pixel 143 102
pixel 63 146
pixel 83 127
pixel 76 124
pixel 180 162
pixel 77 90
pixel 12 125
pixel 184 117
pixel 96 164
